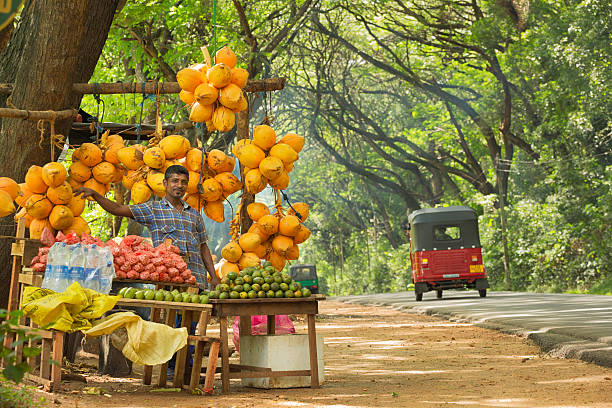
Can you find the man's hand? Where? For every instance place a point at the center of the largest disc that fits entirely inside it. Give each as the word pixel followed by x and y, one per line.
pixel 214 280
pixel 86 192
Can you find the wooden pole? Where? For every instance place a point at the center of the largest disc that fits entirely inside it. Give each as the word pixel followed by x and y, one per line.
pixel 37 115
pixel 253 85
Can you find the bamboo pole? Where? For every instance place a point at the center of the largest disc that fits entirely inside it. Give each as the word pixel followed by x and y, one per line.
pixel 253 85
pixel 37 115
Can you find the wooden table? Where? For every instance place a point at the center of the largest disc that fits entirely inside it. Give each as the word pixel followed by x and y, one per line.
pixel 189 312
pixel 270 307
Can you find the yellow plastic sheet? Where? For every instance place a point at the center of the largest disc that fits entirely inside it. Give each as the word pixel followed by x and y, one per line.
pixel 68 311
pixel 148 343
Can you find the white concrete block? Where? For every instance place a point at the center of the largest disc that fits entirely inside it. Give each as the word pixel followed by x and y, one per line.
pixel 281 352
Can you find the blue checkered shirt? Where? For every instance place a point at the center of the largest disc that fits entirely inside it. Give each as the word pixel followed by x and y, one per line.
pixel 185 228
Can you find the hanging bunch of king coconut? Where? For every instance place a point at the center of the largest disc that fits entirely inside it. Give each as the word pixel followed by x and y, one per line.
pixel 267 161
pixel 47 193
pixel 10 192
pixel 214 93
pixel 210 181
pixel 271 237
pixel 210 174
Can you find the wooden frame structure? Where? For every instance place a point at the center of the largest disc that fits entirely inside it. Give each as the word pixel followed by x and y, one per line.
pixel 271 307
pixel 46 369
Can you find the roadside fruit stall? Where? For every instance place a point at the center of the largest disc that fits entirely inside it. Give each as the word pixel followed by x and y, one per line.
pixel 263 240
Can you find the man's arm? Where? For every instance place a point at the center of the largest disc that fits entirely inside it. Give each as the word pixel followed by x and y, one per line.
pixel 112 207
pixel 208 263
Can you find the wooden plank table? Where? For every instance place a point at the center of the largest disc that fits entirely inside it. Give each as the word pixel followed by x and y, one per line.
pixel 271 307
pixel 189 312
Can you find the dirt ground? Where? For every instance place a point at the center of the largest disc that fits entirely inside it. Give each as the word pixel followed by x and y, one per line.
pixel 380 357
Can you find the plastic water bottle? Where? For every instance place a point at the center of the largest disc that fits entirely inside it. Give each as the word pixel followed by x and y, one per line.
pixel 49 281
pixel 92 268
pixel 107 270
pixel 76 270
pixel 60 266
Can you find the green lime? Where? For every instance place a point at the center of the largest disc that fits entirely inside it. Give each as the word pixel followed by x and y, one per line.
pixel 175 291
pixel 248 279
pixel 122 291
pixel 256 274
pixel 160 295
pixel 274 286
pixel 258 280
pixel 223 288
pixel 279 294
pixel 265 287
pixel 238 281
pixel 234 295
pixel 246 287
pixel 223 295
pixel 297 293
pixel 268 279
pixel 214 294
pixel 177 297
pixel 243 295
pixel 232 275
pixel 256 287
pixel 252 294
pixel 195 298
pixel 306 292
pixel 139 294
pixel 270 294
pixel 261 294
pixel 204 299
pixel 186 297
pixel 299 285
pixel 225 281
pixel 288 294
pixel 168 297
pixel 278 278
pixel 241 273
pixel 238 288
pixel 293 286
pixel 286 278
pixel 149 294
pixel 284 286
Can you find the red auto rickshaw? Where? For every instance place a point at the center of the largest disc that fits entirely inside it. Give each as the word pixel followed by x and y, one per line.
pixel 445 251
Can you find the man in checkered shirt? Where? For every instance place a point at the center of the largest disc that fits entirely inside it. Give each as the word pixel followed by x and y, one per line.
pixel 169 218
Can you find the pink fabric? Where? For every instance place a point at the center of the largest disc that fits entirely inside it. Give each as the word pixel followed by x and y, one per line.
pixel 259 325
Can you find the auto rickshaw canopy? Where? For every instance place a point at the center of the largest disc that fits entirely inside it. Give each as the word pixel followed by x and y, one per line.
pixel 454 227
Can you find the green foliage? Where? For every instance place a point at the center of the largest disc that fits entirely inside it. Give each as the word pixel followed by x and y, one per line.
pixel 9 326
pixel 18 397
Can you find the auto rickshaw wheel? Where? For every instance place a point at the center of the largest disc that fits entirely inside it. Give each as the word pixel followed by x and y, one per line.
pixel 482 292
pixel 439 294
pixel 418 296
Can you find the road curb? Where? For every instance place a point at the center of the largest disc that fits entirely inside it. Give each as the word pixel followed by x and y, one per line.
pixel 551 343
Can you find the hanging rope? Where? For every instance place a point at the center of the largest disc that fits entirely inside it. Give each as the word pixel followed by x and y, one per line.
pixel 99 119
pixel 214 28
pixel 55 140
pixel 297 214
pixel 140 118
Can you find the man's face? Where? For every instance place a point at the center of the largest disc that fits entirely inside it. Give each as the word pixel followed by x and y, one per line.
pixel 176 185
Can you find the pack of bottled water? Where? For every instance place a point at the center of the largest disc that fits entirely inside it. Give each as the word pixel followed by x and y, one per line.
pixel 90 265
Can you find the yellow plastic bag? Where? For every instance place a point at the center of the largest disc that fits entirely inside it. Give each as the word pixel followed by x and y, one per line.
pixel 148 343
pixel 68 311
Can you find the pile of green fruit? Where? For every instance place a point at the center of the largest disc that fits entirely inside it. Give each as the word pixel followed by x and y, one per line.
pixel 258 282
pixel 165 295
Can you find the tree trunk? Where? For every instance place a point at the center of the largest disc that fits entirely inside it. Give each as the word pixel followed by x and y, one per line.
pixel 56 44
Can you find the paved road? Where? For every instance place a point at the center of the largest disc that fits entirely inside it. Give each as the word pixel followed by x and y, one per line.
pixel 571 326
